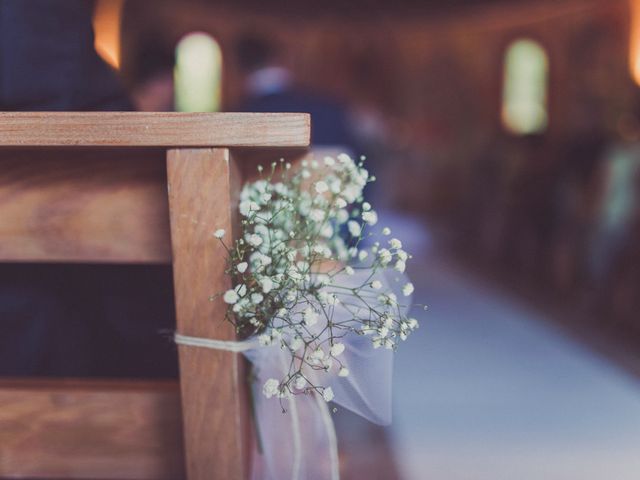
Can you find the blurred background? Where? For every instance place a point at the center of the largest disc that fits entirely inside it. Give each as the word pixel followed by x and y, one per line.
pixel 506 139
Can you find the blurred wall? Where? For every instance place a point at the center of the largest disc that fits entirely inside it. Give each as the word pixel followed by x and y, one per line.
pixel 435 80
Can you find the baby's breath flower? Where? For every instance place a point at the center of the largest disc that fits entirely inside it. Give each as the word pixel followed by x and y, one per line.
pixel 351 193
pixel 385 256
pixel 321 187
pixel 327 231
pixel 290 226
pixel 291 296
pixel 337 349
pixel 354 228
pixel 395 243
pixel 230 297
pixel 370 217
pixel 310 317
pixel 256 298
pixel 242 267
pixel 254 240
pixel 327 394
pixel 342 216
pixel 317 354
pixel 317 215
pixel 300 382
pixel 219 233
pixel 386 231
pixel 271 387
pixel 296 343
pixel 407 289
pixel 265 260
pixel 267 284
pixel 247 207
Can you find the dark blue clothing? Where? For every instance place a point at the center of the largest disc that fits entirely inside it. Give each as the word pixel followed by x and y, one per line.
pixel 74 320
pixel 48 61
pixel 329 123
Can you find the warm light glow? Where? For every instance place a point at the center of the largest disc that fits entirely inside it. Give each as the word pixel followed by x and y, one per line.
pixel 634 41
pixel 524 94
pixel 198 74
pixel 106 26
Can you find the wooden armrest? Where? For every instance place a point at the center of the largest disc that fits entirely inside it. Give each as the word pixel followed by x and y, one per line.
pixel 158 129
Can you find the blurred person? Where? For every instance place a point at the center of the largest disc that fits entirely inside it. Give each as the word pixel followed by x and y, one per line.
pixel 73 320
pixel 618 207
pixel 154 89
pixel 618 299
pixel 610 249
pixel 529 218
pixel 483 218
pixel 580 164
pixel 48 60
pixel 270 87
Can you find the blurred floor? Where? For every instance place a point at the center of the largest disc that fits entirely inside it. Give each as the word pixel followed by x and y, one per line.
pixel 488 389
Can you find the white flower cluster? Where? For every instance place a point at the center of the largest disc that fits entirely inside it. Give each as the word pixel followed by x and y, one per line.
pixel 289 266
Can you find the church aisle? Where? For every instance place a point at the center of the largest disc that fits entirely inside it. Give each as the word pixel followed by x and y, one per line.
pixel 488 389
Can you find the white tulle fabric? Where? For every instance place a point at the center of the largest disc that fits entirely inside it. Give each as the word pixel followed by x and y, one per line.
pixel 296 435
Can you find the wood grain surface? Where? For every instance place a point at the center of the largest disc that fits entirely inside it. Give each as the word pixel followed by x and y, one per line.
pixel 90 430
pixel 203 191
pixel 84 205
pixel 170 129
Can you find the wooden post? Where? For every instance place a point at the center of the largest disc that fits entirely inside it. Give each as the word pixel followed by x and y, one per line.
pixel 203 186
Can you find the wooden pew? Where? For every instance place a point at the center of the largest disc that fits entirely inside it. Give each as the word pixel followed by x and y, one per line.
pixel 133 188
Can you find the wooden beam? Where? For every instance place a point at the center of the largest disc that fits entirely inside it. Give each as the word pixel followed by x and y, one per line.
pixel 203 189
pixel 84 205
pixel 90 430
pixel 139 129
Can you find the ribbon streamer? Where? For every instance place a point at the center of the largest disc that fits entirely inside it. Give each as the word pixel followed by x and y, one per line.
pixel 301 444
pixel 271 467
